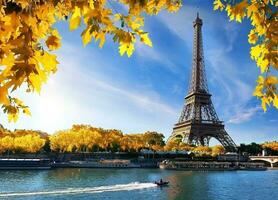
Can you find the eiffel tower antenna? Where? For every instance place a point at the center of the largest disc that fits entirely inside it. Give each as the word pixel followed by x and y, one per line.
pixel 198 122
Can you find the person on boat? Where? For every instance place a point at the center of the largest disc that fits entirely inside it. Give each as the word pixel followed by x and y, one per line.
pixel 161 181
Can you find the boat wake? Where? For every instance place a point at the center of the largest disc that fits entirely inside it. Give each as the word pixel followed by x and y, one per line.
pixel 100 189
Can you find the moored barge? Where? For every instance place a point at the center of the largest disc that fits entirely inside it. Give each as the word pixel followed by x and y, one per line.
pixel 14 163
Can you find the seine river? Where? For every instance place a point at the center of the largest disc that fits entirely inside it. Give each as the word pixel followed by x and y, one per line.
pixel 138 184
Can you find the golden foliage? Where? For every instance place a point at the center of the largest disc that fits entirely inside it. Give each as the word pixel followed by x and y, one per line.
pixel 271 145
pixel 175 145
pixel 202 150
pixel 263 37
pixel 217 150
pixel 25 141
pixel 28 37
pixel 84 138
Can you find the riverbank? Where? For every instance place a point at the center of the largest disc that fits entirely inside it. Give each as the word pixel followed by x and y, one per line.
pixel 130 160
pixel 30 164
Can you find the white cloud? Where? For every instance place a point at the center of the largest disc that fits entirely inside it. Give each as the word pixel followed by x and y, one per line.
pixel 181 23
pixel 152 53
pixel 231 31
pixel 79 93
pixel 233 90
pixel 150 103
pixel 245 115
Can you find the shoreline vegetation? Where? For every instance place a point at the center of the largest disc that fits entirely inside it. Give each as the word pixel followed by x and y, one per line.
pixel 87 146
pixel 84 146
pixel 85 139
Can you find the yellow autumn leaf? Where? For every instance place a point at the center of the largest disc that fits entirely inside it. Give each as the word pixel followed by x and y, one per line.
pixel 146 40
pixel 252 37
pixel 275 101
pixel 130 49
pixel 217 4
pixel 237 12
pixel 4 95
pixel 264 102
pixel 101 37
pixel 253 8
pixel 26 111
pixel 127 48
pixel 8 60
pixel 271 80
pixel 122 48
pixel 86 36
pixel 258 91
pixel 242 5
pixel 35 81
pixel 48 61
pixel 53 41
pixel 75 19
pixel 263 64
pixel 260 80
pixel 13 117
pixel 174 7
pixel 255 51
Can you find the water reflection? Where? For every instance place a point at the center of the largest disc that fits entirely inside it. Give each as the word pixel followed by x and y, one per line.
pixel 183 184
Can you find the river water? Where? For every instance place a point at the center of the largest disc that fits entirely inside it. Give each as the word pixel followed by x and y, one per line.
pixel 138 184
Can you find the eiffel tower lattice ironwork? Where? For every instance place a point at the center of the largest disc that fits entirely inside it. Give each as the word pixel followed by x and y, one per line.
pixel 199 122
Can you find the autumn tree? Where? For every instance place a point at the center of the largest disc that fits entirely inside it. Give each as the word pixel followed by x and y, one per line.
pixel 185 147
pixel 172 145
pixel 83 138
pixel 22 141
pixel 217 150
pixel 153 140
pixel 137 142
pixel 202 150
pixel 28 143
pixel 126 143
pixel 271 147
pixel 7 144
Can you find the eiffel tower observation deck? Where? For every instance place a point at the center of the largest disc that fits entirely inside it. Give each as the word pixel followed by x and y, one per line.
pixel 198 122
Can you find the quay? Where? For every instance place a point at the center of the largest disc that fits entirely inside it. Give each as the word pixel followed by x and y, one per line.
pixel 210 166
pixel 116 163
pixel 24 164
pixel 140 160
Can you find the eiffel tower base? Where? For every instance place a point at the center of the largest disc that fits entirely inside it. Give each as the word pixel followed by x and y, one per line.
pixel 200 134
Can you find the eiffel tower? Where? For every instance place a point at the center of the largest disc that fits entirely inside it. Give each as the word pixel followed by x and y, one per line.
pixel 198 121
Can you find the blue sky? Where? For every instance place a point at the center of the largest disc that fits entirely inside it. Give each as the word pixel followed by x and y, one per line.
pixel 146 92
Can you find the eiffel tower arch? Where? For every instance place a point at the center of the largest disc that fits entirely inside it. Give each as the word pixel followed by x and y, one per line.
pixel 198 122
